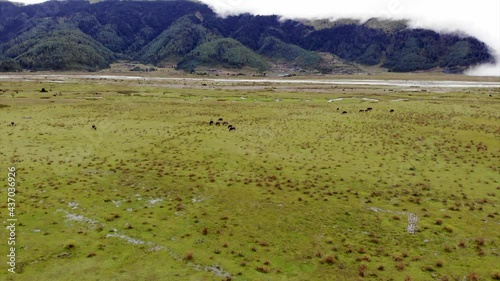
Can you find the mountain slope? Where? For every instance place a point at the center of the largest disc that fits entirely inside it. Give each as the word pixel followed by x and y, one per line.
pixel 56 46
pixel 169 31
pixel 281 51
pixel 225 52
pixel 177 41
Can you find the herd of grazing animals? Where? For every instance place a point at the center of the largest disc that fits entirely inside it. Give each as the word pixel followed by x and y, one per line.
pixel 230 127
pixel 364 110
pixel 221 121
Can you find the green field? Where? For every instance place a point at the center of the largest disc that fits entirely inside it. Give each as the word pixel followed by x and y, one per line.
pixel 298 192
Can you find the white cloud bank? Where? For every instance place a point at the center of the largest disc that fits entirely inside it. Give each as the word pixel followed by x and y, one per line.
pixel 478 18
pixel 28 1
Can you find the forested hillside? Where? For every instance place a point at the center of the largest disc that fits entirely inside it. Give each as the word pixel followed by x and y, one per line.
pixel 78 35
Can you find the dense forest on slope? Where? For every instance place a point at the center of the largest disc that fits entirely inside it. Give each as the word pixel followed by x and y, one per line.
pixel 78 35
pixel 226 52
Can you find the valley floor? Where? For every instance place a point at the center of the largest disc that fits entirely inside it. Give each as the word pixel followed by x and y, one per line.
pixel 300 191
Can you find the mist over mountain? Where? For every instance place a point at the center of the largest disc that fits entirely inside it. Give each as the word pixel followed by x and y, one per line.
pixel 77 35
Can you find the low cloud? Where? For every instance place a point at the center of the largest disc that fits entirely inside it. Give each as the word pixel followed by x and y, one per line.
pixel 479 18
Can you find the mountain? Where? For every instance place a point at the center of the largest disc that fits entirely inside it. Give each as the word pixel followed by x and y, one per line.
pixel 56 46
pixel 183 36
pixel 67 35
pixel 225 52
pixel 280 51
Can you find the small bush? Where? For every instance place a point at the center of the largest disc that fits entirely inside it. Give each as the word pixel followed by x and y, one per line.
pixel 480 242
pixel 70 245
pixel 400 266
pixel 264 243
pixel 189 256
pixel 362 270
pixel 330 260
pixel 262 269
pixel 473 277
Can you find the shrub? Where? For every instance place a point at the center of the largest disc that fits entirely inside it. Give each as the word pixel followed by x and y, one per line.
pixel 262 269
pixel 480 242
pixel 330 260
pixel 473 276
pixel 189 256
pixel 462 244
pixel 361 270
pixel 69 245
pixel 448 229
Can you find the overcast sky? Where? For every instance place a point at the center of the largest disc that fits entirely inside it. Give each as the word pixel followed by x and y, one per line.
pixel 479 18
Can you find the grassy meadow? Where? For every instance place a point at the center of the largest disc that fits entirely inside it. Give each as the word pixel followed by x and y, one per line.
pixel 299 191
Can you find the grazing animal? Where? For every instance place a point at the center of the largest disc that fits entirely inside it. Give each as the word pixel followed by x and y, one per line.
pixel 368 109
pixel 338 108
pixel 217 123
pixel 12 123
pixel 211 122
pixel 344 112
pixel 94 127
pixel 361 110
pixel 225 123
pixel 220 119
pixel 232 129
pixel 230 126
pixel 392 110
